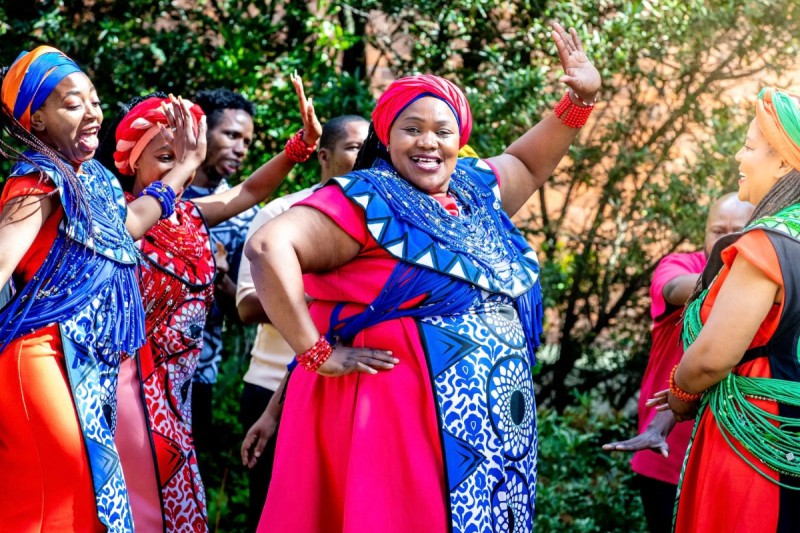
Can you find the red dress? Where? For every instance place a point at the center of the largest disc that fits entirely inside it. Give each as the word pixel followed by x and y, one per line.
pixel 719 491
pixel 177 288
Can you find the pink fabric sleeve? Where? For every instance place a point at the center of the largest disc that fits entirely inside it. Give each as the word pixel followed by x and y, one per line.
pixel 670 267
pixel 346 214
pixel 494 170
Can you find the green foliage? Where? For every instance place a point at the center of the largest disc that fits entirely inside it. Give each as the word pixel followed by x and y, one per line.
pixel 646 172
pixel 580 487
pixel 135 47
pixel 635 186
pixel 224 476
pixel 627 195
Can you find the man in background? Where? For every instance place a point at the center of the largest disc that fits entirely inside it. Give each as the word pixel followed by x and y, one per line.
pixel 230 134
pixel 674 280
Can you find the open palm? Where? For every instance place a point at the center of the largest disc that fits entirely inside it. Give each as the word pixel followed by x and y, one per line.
pixel 579 73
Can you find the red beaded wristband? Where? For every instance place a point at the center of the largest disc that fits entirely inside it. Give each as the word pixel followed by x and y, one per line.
pixel 314 357
pixel 297 150
pixel 572 115
pixel 678 392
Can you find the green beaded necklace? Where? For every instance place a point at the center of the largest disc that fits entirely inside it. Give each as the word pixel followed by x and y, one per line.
pixel 772 439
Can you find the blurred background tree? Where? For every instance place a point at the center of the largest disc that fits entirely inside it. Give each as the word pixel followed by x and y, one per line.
pixel 680 79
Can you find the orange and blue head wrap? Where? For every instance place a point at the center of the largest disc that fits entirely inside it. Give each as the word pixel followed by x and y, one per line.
pixel 405 91
pixel 139 126
pixel 31 79
pixel 778 117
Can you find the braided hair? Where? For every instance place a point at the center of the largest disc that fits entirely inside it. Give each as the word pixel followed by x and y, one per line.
pixel 781 195
pixel 372 150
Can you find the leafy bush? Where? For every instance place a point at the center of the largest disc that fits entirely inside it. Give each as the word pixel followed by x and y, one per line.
pixel 224 477
pixel 581 487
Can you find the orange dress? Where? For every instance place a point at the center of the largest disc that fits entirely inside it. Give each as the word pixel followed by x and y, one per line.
pixel 719 491
pixel 41 444
pixel 76 311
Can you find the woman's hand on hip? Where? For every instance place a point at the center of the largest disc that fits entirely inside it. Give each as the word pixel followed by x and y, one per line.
pixel 346 360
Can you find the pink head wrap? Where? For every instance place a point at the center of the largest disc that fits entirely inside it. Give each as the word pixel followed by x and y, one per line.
pixel 139 127
pixel 405 91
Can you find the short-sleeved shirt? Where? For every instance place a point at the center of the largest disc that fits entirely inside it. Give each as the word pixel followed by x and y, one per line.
pixel 231 233
pixel 665 353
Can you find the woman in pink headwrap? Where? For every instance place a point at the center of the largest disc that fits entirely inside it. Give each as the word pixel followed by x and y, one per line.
pixel 427 309
pixel 66 244
pixel 741 367
pixel 159 460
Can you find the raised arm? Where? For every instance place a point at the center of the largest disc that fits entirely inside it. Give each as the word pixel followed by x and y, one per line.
pixel 189 142
pixel 263 182
pixel 530 160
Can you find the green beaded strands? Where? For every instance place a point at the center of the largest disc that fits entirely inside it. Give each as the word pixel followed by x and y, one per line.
pixel 692 324
pixel 778 447
pixel 772 439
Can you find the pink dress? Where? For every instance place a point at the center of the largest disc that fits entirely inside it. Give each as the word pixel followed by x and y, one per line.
pixel 430 446
pixel 342 465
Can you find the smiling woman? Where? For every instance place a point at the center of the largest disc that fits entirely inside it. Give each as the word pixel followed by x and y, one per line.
pixel 69 131
pixel 740 373
pixel 425 144
pixel 65 242
pixel 427 309
pixel 177 286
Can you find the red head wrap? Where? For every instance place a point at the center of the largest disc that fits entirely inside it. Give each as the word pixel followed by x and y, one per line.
pixel 138 128
pixel 403 92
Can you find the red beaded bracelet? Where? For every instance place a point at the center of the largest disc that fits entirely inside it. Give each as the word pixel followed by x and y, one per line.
pixel 572 115
pixel 314 357
pixel 297 150
pixel 678 392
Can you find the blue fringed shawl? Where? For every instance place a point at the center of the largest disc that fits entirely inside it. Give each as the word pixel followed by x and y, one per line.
pixel 445 260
